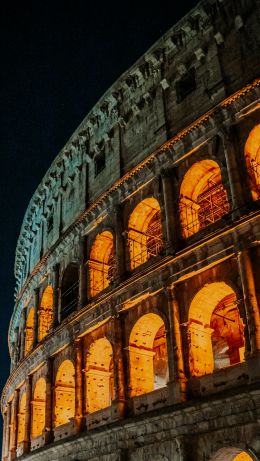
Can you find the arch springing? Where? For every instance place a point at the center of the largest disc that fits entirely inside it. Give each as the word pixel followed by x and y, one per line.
pixel 203 199
pixel 101 263
pixel 100 376
pixel 148 356
pixel 45 312
pixel 216 330
pixel 64 393
pixel 29 331
pixel 38 408
pixel 144 232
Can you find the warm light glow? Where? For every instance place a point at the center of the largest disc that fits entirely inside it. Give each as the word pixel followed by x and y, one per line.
pixel 252 155
pixel 203 200
pixel 101 263
pixel 21 418
pixel 38 408
pixel 243 456
pixel 29 331
pixel 64 393
pixel 148 355
pixel 216 331
pixel 45 312
pixel 100 375
pixel 144 232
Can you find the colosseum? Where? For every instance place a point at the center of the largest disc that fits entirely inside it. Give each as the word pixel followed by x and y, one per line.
pixel 135 334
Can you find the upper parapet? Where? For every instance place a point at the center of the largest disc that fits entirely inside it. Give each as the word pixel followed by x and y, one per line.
pixel 206 56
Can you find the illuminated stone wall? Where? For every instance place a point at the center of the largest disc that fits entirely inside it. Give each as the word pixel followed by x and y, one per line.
pixel 136 328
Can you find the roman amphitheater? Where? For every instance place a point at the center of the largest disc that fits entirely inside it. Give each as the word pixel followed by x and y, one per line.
pixel 135 334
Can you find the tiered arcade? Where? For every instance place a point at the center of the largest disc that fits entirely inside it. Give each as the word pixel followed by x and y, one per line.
pixel 136 329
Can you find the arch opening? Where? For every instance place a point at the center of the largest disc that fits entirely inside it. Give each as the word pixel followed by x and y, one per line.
pixel 252 156
pixel 38 408
pixel 148 355
pixel 215 330
pixel 203 199
pixel 64 393
pixel 21 418
pixel 45 312
pixel 102 266
pixel 99 376
pixel 69 290
pixel 29 331
pixel 232 454
pixel 144 232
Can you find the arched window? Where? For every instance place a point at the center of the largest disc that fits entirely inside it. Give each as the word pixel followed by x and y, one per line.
pixel 69 290
pixel 203 199
pixel 216 330
pixel 231 454
pixel 29 331
pixel 252 155
pixel 38 408
pixel 64 393
pixel 21 418
pixel 100 375
pixel 45 312
pixel 148 355
pixel 144 232
pixel 101 263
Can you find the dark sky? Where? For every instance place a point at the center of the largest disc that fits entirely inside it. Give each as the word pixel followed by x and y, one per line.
pixel 57 58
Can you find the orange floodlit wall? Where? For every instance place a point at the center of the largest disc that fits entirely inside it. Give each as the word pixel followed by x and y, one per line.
pixel 45 312
pixel 99 376
pixel 148 355
pixel 38 408
pixel 21 418
pixel 216 331
pixel 203 200
pixel 252 155
pixel 231 454
pixel 29 331
pixel 64 393
pixel 101 263
pixel 144 232
pixel 243 456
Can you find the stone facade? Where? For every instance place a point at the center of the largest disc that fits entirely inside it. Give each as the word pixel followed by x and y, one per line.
pixel 136 328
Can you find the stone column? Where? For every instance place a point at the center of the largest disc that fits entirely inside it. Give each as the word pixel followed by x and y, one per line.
pixel 6 441
pixel 236 190
pixel 170 215
pixel 250 299
pixel 119 244
pixel 49 402
pixel 83 277
pixel 79 394
pixel 4 435
pixel 14 424
pixel 36 316
pixel 176 371
pixel 56 295
pixel 119 375
pixel 27 434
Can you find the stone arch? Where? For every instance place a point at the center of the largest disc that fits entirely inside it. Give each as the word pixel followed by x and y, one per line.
pixel 99 375
pixel 45 312
pixel 203 199
pixel 101 262
pixel 21 418
pixel 144 232
pixel 252 156
pixel 232 454
pixel 148 358
pixel 38 408
pixel 215 329
pixel 64 393
pixel 69 290
pixel 29 330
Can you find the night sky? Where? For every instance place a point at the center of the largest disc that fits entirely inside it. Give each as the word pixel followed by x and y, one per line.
pixel 57 59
